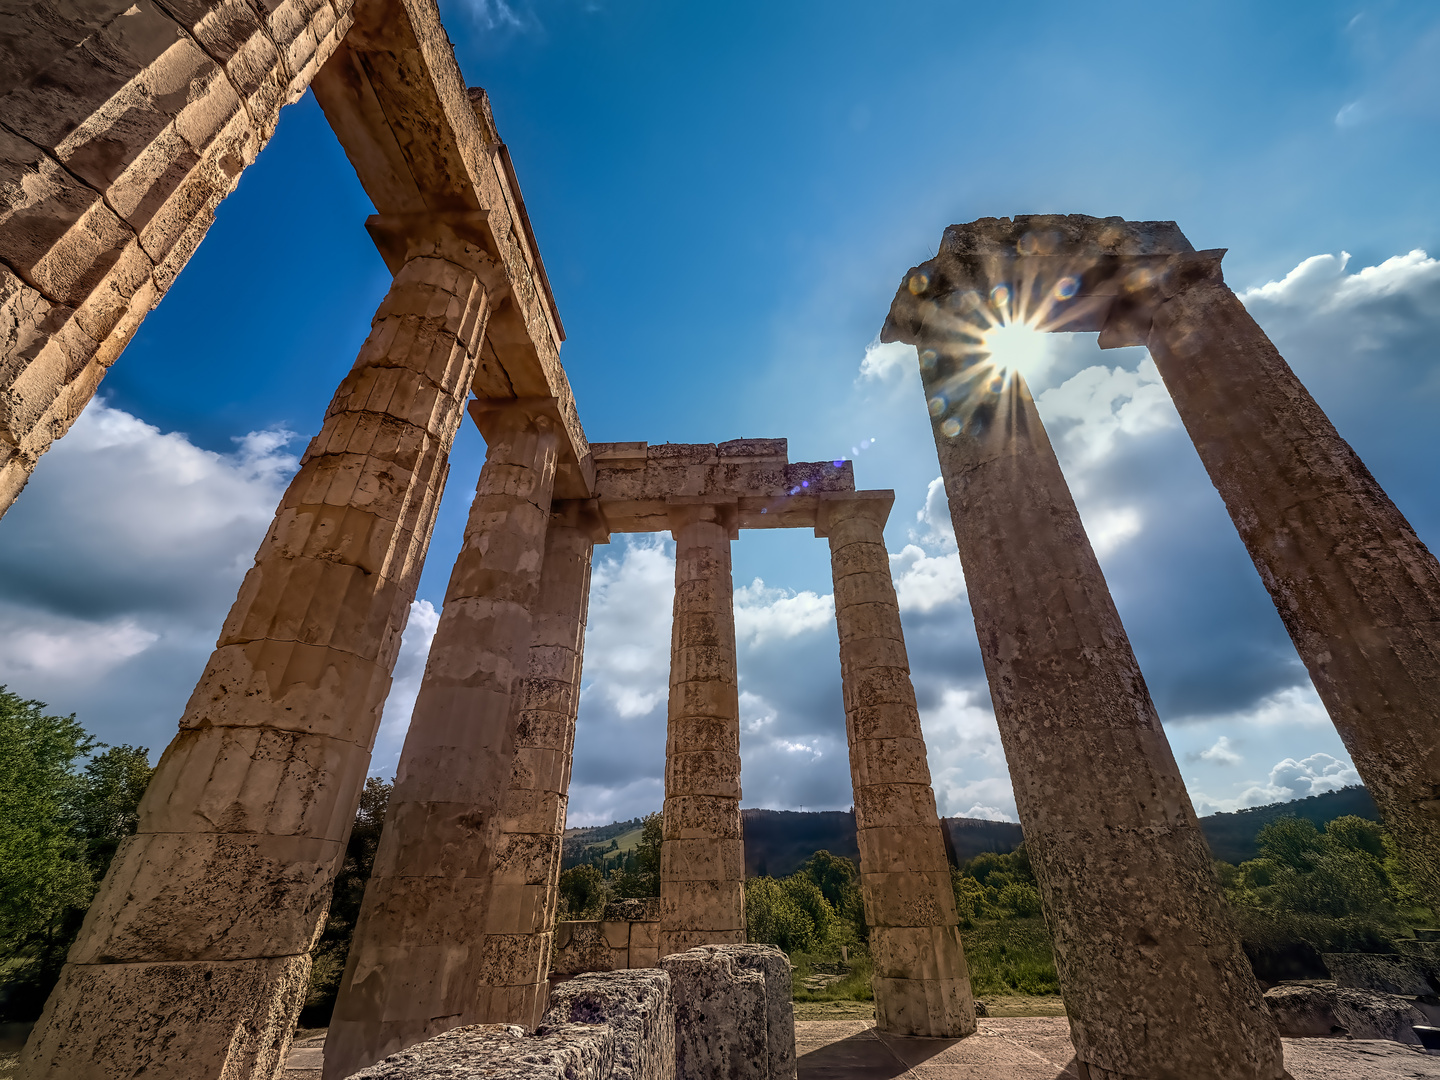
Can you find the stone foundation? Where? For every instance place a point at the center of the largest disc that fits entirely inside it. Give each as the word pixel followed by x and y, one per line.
pixel 713 1013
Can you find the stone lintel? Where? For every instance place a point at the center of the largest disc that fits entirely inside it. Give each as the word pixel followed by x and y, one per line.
pixel 423 144
pixel 464 237
pixel 639 484
pixel 575 468
pixel 1061 272
pixel 833 506
pixel 686 510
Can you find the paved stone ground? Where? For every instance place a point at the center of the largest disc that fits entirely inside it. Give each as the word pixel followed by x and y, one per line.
pixel 1038 1048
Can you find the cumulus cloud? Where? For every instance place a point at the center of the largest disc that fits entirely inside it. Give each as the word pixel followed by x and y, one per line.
pixel 1291 779
pixel 1220 754
pixel 764 614
pixel 889 360
pixel 405 688
pixel 119 562
pixel 1100 405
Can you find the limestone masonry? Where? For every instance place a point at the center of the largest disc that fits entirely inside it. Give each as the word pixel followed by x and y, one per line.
pixel 122 126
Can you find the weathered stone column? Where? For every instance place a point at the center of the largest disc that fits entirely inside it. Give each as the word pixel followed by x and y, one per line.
pixel 702 856
pixel 1154 980
pixel 921 982
pixel 415 956
pixel 194 957
pixel 1357 589
pixel 520 918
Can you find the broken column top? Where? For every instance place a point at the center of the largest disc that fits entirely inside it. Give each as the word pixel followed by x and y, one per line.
pixel 1068 272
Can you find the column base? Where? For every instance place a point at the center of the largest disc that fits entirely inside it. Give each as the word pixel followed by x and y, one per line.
pixel 194 1020
pixel 927 1008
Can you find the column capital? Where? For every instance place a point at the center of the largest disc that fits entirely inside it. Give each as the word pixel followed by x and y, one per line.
pixel 835 507
pixel 685 510
pixel 587 515
pixel 463 237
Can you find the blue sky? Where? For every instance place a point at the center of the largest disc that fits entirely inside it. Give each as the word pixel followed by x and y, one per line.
pixel 725 197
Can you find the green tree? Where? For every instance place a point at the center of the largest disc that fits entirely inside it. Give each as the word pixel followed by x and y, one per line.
pixel 347 894
pixel 44 872
pixel 583 892
pixel 1291 841
pixel 1358 834
pixel 640 877
pixel 772 917
pixel 107 805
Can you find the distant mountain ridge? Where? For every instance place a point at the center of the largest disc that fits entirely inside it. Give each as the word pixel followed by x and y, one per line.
pixel 778 841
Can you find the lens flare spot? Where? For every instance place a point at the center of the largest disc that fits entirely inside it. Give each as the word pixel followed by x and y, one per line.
pixel 950 428
pixel 804 483
pixel 918 283
pixel 1028 244
pixel 1000 296
pixel 927 358
pixel 838 463
pixel 1067 287
pixel 937 405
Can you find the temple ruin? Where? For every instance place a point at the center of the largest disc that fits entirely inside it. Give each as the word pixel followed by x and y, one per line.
pixel 125 124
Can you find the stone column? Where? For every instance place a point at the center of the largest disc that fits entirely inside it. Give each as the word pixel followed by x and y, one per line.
pixel 195 955
pixel 921 982
pixel 1153 977
pixel 1357 589
pixel 415 957
pixel 702 856
pixel 520 919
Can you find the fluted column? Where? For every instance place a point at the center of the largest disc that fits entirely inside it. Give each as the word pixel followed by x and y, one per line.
pixel 702 855
pixel 921 982
pixel 520 917
pixel 194 958
pixel 1153 977
pixel 1357 589
pixel 414 960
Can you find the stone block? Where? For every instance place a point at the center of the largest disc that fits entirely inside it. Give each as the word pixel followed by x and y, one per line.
pixel 889 761
pixel 878 686
pixel 171 1021
pixel 503 1052
pixel 897 849
pixel 526 858
pixel 580 947
pixel 774 966
pixel 208 896
pixel 256 780
pixel 644 956
pixel 638 1008
pixel 702 859
pixel 1385 973
pixel 929 1008
pixel 616 935
pixel 702 816
pixel 896 804
pixel 634 910
pixel 707 773
pixel 917 898
pixel 917 952
pixel 720 1017
pixel 698 905
pixel 1323 1011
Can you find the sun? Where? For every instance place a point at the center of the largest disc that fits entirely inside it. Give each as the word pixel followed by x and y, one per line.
pixel 1019 348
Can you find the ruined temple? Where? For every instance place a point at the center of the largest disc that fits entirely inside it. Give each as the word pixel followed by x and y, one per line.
pixel 123 125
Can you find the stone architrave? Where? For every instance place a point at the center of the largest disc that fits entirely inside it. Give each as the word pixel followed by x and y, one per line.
pixel 194 958
pixel 1153 977
pixel 921 982
pixel 519 919
pixel 415 955
pixel 702 855
pixel 1356 588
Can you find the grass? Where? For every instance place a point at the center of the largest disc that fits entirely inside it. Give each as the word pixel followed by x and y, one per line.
pixel 853 986
pixel 1010 956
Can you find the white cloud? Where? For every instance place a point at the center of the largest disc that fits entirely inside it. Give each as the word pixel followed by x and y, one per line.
pixel 1221 753
pixel 627 641
pixel 967 761
pixel 119 561
pixel 925 582
pixel 764 614
pixel 1294 706
pixel 1319 285
pixel 1109 529
pixel 935 528
pixel 986 813
pixel 884 361
pixel 405 687
pixel 1291 779
pixel 1097 406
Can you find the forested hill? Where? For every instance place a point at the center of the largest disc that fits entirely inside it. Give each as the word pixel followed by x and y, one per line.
pixel 778 841
pixel 1232 836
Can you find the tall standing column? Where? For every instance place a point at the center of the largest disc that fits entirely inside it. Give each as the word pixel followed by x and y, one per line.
pixel 1356 588
pixel 520 918
pixel 414 962
pixel 195 955
pixel 1154 980
pixel 921 982
pixel 702 855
